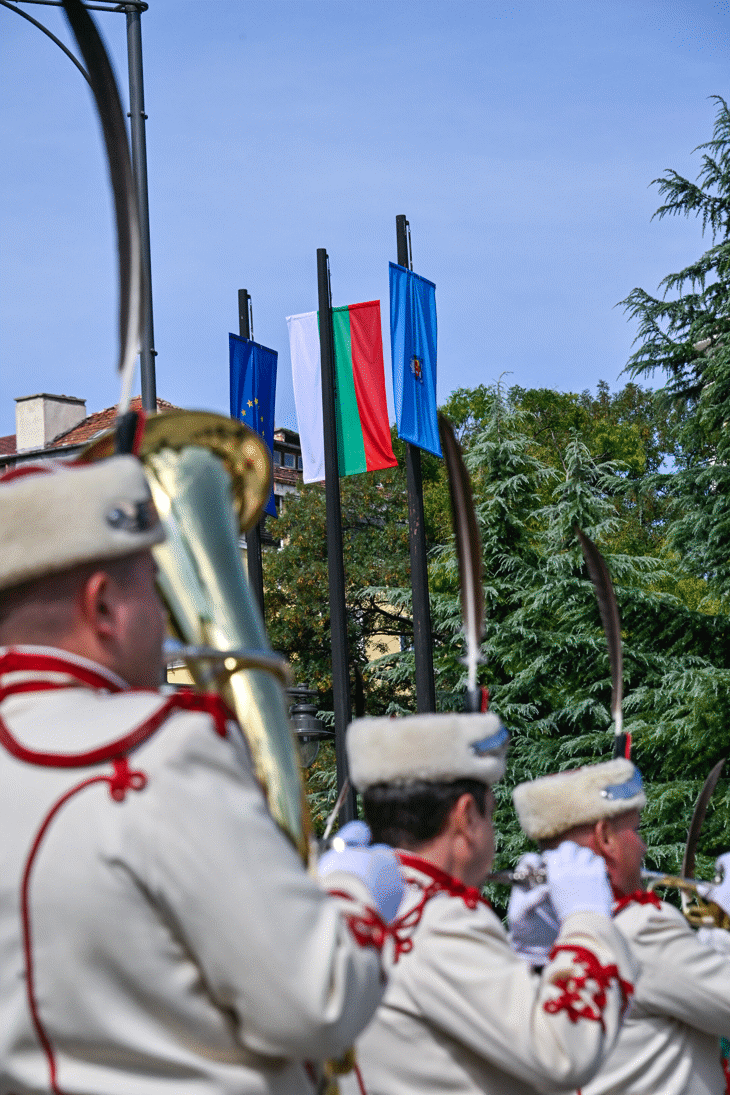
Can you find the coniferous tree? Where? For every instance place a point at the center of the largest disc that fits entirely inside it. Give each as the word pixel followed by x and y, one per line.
pixel 546 661
pixel 685 334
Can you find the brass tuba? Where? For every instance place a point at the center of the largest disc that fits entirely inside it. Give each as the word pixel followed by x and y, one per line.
pixel 210 477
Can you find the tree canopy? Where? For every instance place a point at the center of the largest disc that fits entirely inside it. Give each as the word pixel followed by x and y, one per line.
pixel 645 474
pixel 683 334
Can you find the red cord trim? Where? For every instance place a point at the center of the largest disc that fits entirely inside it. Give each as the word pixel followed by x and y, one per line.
pixel 15 661
pixel 368 928
pixel 122 780
pixel 638 897
pixel 574 987
pixel 401 930
pixel 205 702
pixel 358 1077
pixel 23 470
pixel 445 882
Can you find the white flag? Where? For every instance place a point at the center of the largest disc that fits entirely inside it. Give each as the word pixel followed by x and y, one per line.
pixel 307 377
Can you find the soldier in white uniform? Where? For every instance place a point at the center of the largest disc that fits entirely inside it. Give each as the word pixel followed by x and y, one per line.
pixel 158 933
pixel 462 1013
pixel 669 1043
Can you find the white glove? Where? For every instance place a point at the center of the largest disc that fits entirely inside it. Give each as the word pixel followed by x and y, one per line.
pixel 577 881
pixel 720 893
pixel 531 917
pixel 374 864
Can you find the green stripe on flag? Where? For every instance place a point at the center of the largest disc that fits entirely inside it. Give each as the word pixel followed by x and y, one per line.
pixel 350 444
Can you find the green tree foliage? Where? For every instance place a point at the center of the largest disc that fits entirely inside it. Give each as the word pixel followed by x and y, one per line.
pixel 540 463
pixel 375 544
pixel 684 334
pixel 623 428
pixel 546 663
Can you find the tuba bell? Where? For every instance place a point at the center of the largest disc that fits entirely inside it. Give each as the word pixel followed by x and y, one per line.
pixel 210 478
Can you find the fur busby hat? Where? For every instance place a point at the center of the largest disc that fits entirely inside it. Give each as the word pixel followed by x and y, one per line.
pixel 54 516
pixel 554 804
pixel 429 748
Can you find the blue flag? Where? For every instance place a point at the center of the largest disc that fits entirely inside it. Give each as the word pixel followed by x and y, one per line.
pixel 413 351
pixel 253 391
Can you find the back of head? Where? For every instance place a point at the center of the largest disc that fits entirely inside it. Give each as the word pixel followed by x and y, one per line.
pixel 413 770
pixel 553 805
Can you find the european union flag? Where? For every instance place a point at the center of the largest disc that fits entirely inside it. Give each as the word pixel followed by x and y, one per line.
pixel 413 351
pixel 253 391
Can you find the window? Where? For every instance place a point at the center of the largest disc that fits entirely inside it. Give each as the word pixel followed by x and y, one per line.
pixel 277 457
pixel 289 459
pixel 300 465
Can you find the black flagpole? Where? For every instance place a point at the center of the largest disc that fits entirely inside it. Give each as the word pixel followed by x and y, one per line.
pixel 422 645
pixel 254 563
pixel 335 566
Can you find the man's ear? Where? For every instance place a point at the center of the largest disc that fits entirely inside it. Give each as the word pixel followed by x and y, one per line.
pixel 97 605
pixel 603 839
pixel 464 814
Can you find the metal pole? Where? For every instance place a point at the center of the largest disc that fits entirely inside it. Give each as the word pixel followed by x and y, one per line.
pixel 254 563
pixel 422 644
pixel 139 164
pixel 335 566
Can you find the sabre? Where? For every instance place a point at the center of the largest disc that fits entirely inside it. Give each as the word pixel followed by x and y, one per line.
pixel 611 620
pixel 469 559
pixel 702 911
pixel 129 247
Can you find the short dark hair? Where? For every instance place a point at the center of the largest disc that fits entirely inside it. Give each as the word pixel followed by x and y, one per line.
pixel 44 603
pixel 407 815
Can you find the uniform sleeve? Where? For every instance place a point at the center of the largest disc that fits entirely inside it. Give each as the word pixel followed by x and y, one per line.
pixel 276 952
pixel 717 938
pixel 682 977
pixel 551 1029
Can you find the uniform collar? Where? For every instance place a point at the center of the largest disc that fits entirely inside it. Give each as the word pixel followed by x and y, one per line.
pixel 441 882
pixel 37 668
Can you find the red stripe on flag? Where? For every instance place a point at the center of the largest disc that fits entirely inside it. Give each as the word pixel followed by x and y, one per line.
pixel 366 342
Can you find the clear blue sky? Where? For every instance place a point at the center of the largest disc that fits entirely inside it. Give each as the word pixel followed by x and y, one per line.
pixel 519 139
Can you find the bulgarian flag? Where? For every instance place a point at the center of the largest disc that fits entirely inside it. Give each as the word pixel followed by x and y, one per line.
pixel 363 433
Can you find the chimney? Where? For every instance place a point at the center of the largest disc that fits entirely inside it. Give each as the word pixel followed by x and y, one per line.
pixel 40 418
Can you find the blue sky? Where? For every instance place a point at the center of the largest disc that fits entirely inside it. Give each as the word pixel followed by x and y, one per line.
pixel 518 138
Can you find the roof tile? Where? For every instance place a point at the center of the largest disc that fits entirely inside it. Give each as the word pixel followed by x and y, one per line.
pixel 98 423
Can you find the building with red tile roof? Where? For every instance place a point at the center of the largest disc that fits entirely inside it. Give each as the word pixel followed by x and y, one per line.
pixel 38 416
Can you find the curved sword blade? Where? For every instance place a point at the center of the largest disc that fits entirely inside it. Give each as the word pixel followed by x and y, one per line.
pixel 698 816
pixel 111 116
pixel 468 552
pixel 611 621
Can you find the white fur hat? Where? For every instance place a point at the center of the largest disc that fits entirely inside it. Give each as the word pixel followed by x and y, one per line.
pixel 553 804
pixel 432 748
pixel 55 515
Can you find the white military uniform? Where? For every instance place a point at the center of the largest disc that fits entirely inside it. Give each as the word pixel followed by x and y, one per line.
pixel 157 931
pixel 463 1014
pixel 669 1044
